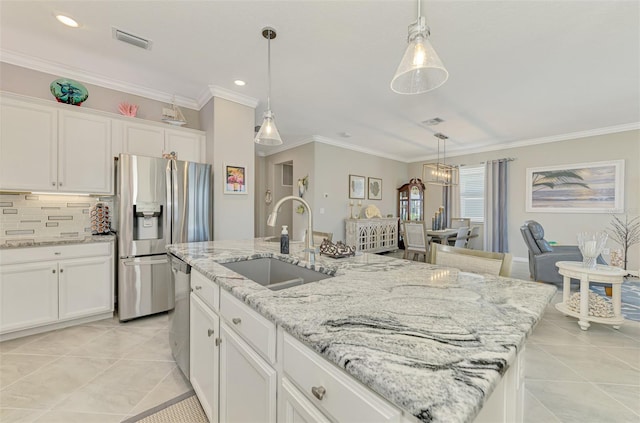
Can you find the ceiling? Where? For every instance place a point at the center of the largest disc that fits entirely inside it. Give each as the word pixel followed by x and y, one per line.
pixel 519 71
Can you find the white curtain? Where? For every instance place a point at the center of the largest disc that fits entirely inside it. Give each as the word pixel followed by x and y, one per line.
pixel 495 206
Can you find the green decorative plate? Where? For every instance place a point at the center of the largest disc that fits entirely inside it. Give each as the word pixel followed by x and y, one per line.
pixel 69 91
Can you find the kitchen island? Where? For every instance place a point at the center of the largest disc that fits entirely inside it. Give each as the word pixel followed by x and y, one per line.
pixel 433 341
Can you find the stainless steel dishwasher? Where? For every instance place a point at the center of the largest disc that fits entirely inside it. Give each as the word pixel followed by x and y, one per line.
pixel 179 316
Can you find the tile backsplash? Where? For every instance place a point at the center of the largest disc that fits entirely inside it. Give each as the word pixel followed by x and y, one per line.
pixel 38 217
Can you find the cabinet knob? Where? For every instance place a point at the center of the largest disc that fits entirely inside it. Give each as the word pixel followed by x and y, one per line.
pixel 53 184
pixel 53 270
pixel 236 320
pixel 210 332
pixel 218 342
pixel 61 270
pixel 60 183
pixel 57 253
pixel 318 392
pixel 198 287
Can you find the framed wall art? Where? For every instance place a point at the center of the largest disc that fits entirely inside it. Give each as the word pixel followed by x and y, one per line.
pixel 374 188
pixel 596 187
pixel 235 179
pixel 356 186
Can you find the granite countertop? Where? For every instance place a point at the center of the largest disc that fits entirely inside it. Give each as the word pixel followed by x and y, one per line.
pixel 21 243
pixel 434 341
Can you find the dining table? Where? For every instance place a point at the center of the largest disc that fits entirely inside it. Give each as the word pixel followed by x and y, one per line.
pixel 442 235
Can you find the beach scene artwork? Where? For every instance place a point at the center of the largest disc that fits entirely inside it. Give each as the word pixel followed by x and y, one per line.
pixel 583 187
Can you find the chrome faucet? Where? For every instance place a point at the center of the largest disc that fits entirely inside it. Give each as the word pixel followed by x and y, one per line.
pixel 271 221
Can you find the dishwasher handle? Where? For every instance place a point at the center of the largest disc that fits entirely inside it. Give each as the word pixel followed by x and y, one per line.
pixel 179 265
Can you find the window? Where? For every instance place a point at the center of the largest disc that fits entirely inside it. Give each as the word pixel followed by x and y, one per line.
pixel 287 175
pixel 472 192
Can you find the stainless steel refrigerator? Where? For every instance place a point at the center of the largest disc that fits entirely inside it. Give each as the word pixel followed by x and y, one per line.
pixel 160 202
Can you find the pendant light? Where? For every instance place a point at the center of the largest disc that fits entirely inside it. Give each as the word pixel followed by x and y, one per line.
pixel 421 69
pixel 439 173
pixel 268 133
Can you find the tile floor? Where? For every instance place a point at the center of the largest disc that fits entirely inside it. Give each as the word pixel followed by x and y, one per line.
pixel 98 372
pixel 107 372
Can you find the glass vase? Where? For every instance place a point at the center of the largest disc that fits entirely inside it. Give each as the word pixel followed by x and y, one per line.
pixel 591 245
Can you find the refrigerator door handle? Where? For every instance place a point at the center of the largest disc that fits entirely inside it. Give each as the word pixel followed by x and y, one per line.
pixel 171 204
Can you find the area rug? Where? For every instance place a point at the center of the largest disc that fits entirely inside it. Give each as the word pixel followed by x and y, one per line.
pixel 182 409
pixel 630 298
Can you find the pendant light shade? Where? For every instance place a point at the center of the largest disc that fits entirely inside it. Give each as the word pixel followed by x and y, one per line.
pixel 421 69
pixel 268 133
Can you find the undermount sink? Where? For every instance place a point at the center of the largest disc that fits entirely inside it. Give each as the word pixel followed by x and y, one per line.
pixel 275 274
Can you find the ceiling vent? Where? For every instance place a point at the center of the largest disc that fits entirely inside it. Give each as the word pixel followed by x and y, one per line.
pixel 128 38
pixel 432 122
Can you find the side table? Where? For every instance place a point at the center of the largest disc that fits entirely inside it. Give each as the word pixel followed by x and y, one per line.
pixel 601 273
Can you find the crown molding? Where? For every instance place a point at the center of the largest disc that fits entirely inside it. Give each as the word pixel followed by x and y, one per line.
pixel 342 144
pixel 60 69
pixel 217 91
pixel 535 141
pixel 284 147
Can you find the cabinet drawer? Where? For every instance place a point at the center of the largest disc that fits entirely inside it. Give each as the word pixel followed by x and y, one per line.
pixel 206 289
pixel 345 399
pixel 256 329
pixel 58 252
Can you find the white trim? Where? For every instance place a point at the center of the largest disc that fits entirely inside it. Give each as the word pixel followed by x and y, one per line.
pixel 520 259
pixel 243 99
pixel 359 149
pixel 283 147
pixel 54 68
pixel 535 141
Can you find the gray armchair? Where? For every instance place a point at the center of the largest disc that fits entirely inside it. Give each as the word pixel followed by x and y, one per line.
pixel 543 257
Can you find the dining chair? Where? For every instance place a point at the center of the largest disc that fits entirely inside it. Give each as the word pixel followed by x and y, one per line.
pixel 458 222
pixel 474 261
pixel 415 238
pixel 462 237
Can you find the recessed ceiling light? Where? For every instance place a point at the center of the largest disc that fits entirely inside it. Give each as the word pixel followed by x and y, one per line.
pixel 239 83
pixel 67 21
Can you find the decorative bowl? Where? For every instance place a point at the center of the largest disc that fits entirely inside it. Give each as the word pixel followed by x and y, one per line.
pixel 591 245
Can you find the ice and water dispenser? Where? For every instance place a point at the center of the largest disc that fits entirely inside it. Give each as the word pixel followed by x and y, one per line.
pixel 148 222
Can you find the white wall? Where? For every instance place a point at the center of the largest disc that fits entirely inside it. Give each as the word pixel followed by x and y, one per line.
pixel 333 167
pixel 563 227
pixel 329 168
pixel 229 128
pixel 33 83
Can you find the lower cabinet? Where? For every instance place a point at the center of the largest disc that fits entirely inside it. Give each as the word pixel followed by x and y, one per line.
pixel 41 287
pixel 84 287
pixel 296 408
pixel 28 295
pixel 247 382
pixel 203 355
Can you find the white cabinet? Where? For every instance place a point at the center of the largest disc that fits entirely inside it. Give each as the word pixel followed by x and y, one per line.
pixel 247 382
pixel 84 153
pixel 153 140
pixel 85 287
pixel 330 389
pixel 43 288
pixel 189 146
pixel 203 355
pixel 372 235
pixel 28 295
pixel 50 148
pixel 296 408
pixel 28 146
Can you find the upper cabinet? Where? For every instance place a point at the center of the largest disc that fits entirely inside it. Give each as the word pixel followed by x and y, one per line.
pixel 48 148
pixel 28 146
pixel 84 153
pixel 51 147
pixel 154 140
